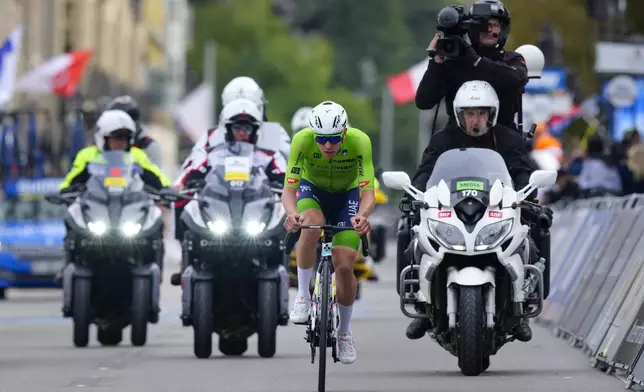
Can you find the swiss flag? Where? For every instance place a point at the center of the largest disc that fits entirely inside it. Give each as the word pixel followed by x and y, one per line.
pixel 59 75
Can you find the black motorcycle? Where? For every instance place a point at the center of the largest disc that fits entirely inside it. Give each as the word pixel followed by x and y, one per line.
pixel 234 282
pixel 114 248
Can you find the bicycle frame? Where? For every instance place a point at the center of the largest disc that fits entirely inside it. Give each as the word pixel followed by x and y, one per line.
pixel 324 318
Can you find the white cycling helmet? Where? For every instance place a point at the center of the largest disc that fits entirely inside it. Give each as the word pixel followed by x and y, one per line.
pixel 241 111
pixel 114 123
pixel 476 94
pixel 243 87
pixel 328 118
pixel 301 119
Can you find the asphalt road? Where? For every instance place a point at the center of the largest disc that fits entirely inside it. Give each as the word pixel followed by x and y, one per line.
pixel 37 355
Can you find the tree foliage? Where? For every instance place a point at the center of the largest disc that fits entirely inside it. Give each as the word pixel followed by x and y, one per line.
pixel 635 16
pixel 294 71
pixel 570 21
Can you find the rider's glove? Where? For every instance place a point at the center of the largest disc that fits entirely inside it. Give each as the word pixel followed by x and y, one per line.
pixel 468 54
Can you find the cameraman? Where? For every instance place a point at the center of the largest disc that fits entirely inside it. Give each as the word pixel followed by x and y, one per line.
pixel 488 29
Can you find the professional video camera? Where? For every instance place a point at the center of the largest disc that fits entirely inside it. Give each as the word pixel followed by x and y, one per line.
pixel 455 23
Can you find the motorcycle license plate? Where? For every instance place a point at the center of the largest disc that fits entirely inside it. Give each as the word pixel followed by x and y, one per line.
pixel 115 182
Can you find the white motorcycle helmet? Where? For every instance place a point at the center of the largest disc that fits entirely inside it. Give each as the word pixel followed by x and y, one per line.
pixel 244 87
pixel 328 118
pixel 300 119
pixel 546 160
pixel 114 123
pixel 241 113
pixel 476 94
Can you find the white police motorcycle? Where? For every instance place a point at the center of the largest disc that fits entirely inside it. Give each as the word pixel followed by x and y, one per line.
pixel 471 254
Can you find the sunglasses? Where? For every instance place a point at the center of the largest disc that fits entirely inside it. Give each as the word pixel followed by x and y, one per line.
pixel 246 128
pixel 333 139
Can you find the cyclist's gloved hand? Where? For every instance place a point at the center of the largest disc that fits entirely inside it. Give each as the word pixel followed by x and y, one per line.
pixel 292 223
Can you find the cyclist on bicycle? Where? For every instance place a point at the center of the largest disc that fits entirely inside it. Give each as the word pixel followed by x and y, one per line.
pixel 329 180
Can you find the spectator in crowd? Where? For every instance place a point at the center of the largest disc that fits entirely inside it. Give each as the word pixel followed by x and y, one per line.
pixel 635 164
pixel 599 174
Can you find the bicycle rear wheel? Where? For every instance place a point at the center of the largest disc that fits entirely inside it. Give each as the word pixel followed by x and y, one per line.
pixel 325 283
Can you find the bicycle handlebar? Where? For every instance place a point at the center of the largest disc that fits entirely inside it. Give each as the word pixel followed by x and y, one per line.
pixel 291 238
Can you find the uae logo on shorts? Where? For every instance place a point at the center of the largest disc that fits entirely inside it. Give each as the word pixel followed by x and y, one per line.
pixel 345 153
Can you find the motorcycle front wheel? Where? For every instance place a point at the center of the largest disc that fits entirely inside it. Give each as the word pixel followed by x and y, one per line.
pixel 471 330
pixel 202 318
pixel 141 301
pixel 82 305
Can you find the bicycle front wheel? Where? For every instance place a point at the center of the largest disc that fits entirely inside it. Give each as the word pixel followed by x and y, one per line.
pixel 325 283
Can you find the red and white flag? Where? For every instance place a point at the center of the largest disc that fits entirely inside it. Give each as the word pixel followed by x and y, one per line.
pixel 59 75
pixel 403 86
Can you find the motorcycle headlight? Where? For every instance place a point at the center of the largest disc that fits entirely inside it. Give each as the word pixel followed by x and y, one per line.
pixel 131 229
pixel 254 227
pixel 491 235
pixel 218 227
pixel 449 235
pixel 97 228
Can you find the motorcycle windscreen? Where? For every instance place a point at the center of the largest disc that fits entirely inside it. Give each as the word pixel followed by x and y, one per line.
pixel 469 174
pixel 235 182
pixel 114 184
pixel 470 163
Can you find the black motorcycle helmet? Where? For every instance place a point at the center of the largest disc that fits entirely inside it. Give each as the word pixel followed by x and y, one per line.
pixel 127 104
pixel 498 11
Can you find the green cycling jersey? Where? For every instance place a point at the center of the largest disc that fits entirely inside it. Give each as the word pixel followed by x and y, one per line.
pixel 350 168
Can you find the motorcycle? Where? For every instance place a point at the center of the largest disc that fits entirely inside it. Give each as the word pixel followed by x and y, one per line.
pixel 114 248
pixel 471 255
pixel 234 283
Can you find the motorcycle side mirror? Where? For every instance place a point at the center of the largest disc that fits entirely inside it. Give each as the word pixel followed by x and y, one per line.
pixel 151 190
pixel 538 179
pixel 55 199
pixel 400 180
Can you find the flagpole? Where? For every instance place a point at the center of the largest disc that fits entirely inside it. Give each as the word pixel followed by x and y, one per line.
pixel 210 74
pixel 387 116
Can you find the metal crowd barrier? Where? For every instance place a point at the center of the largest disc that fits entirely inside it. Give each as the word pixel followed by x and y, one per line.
pixel 596 298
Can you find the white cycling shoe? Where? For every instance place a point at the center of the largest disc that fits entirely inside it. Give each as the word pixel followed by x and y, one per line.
pixel 347 348
pixel 300 312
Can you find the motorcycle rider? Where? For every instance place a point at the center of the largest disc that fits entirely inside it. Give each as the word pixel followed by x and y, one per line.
pixel 300 119
pixel 115 131
pixel 476 109
pixel 241 119
pixel 485 59
pixel 240 87
pixel 142 141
